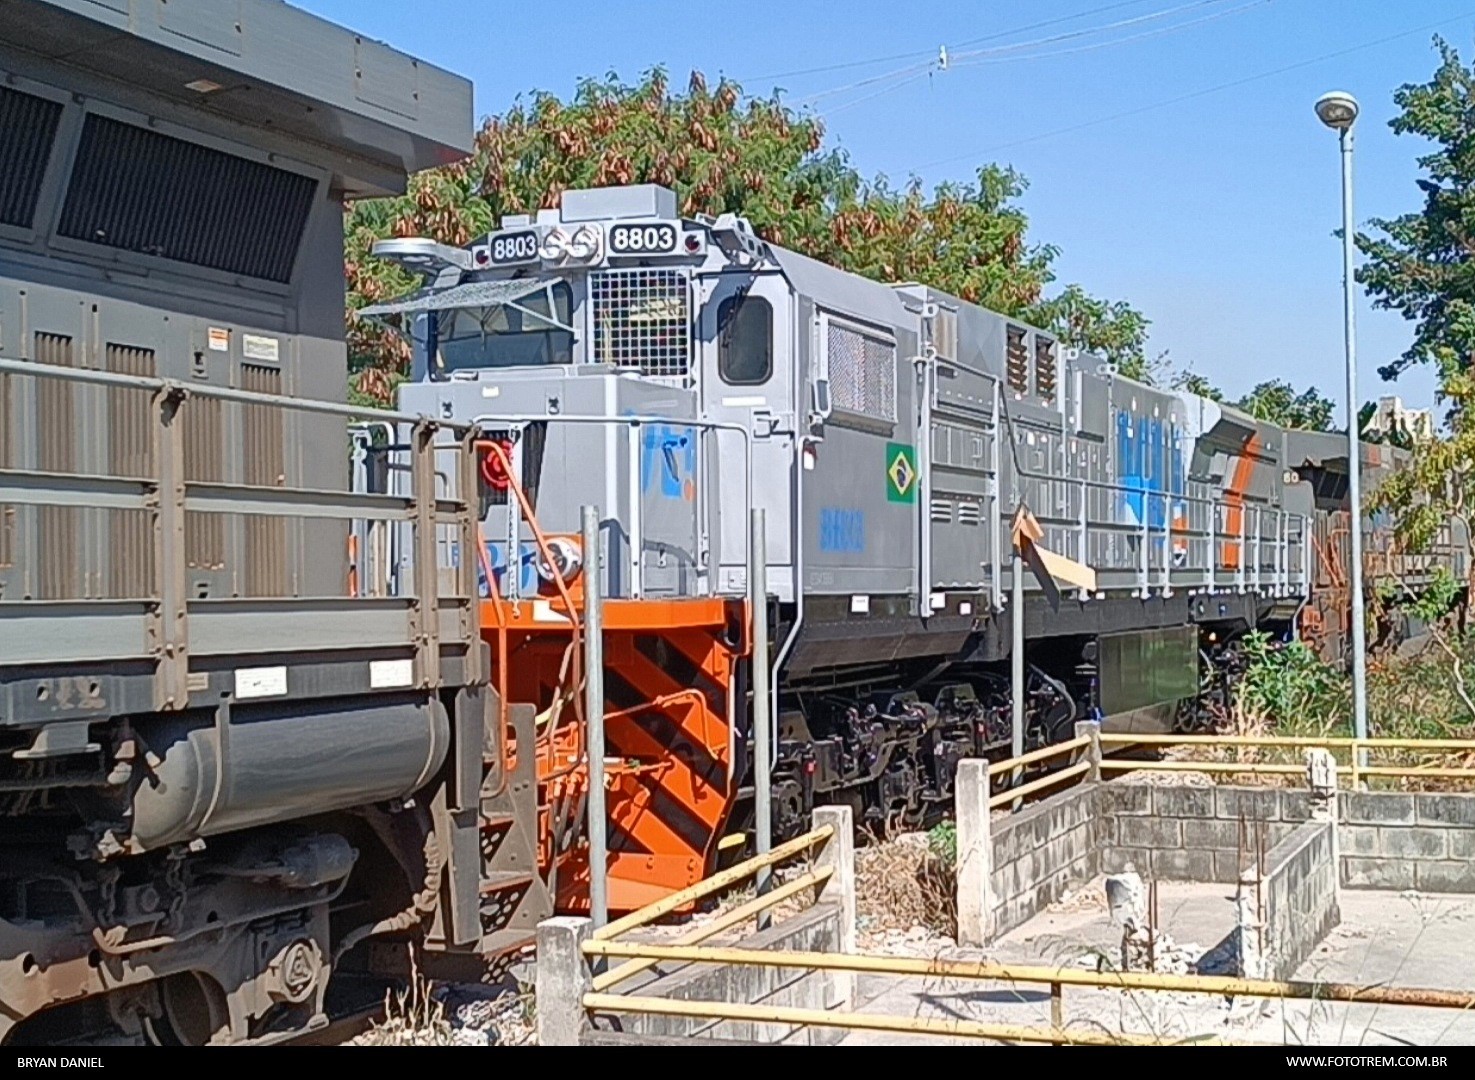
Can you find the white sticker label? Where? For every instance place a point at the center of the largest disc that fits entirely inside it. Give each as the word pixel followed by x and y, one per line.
pixel 256 347
pixel 491 391
pixel 860 605
pixel 261 682
pixel 740 402
pixel 543 612
pixel 386 673
pixel 965 608
pixel 218 339
pixel 937 601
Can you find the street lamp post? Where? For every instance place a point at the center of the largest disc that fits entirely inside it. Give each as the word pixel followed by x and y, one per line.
pixel 1338 111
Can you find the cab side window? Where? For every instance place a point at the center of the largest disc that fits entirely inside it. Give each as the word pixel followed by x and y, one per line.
pixel 745 340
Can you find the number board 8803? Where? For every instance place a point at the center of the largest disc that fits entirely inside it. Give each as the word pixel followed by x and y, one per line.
pixel 517 247
pixel 643 239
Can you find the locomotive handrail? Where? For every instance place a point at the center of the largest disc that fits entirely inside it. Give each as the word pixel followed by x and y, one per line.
pixel 493 421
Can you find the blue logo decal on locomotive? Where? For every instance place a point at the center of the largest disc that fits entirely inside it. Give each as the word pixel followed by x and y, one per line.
pixel 1151 469
pixel 668 460
pixel 842 531
pixel 527 568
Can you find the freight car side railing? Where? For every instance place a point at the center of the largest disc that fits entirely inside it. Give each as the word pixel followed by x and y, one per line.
pixel 432 623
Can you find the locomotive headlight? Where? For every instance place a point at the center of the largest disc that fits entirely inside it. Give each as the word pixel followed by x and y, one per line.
pixel 567 559
pixel 554 246
pixel 585 244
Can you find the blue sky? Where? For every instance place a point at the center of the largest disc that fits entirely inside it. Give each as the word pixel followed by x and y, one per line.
pixel 1214 215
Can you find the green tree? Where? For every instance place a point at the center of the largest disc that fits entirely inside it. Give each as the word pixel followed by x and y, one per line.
pixel 724 152
pixel 1277 402
pixel 1422 263
pixel 1198 384
pixel 1274 401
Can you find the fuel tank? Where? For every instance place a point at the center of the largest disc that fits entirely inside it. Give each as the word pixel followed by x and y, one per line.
pixel 273 763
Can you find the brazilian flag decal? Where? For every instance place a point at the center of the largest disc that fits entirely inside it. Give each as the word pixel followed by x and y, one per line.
pixel 901 473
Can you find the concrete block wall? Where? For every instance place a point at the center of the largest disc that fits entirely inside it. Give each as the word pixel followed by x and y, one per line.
pixel 816 930
pixel 1299 896
pixel 1392 840
pixel 1042 851
pixel 1388 840
pixel 1184 833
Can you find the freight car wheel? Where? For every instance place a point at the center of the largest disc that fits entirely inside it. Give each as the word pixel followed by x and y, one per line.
pixel 194 1012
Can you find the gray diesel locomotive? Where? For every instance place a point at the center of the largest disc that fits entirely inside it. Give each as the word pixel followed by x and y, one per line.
pixel 676 372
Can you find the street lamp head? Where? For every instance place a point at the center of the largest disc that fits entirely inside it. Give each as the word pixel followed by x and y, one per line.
pixel 1337 110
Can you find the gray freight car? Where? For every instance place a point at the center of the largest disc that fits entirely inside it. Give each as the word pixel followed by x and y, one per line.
pixel 212 715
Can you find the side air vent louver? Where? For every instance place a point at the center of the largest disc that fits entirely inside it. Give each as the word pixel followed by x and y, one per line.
pixel 1016 360
pixel 138 190
pixel 1045 369
pixel 27 130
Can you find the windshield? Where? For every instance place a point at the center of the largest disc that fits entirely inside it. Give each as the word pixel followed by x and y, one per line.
pixel 524 333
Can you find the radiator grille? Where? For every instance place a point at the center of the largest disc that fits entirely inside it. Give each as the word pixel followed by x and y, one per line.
pixel 59 527
pixel 130 454
pixel 642 319
pixel 204 463
pixel 7 513
pixel 862 372
pixel 142 191
pixel 265 465
pixel 27 130
pixel 1016 361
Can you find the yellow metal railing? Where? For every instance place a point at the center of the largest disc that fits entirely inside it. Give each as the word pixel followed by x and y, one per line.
pixel 983 970
pixel 1014 766
pixel 688 948
pixel 1357 751
pixel 717 882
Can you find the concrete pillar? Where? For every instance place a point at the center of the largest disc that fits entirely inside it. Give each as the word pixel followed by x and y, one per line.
pixel 975 854
pixel 1251 926
pixel 1321 779
pixel 838 852
pixel 1092 730
pixel 563 978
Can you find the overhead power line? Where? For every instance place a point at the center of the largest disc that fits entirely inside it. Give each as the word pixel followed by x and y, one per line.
pixel 937 62
pixel 1203 92
pixel 922 53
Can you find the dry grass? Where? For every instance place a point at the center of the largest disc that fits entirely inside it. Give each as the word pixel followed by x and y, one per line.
pixel 424 1013
pixel 901 883
pixel 412 1017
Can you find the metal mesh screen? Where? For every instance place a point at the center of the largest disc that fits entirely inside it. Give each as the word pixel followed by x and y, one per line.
pixel 862 373
pixel 642 319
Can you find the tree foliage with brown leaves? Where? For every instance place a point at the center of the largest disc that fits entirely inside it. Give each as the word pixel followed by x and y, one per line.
pixel 724 152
